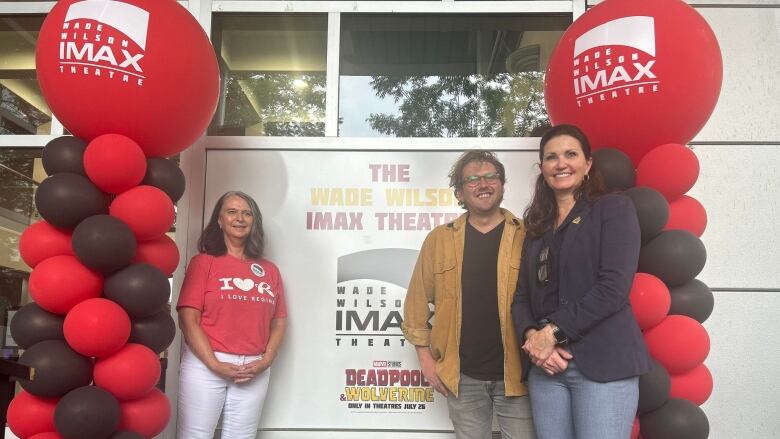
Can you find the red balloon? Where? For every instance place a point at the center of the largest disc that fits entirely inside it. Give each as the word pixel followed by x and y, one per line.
pixel 694 385
pixel 29 414
pixel 47 435
pixel 130 373
pixel 686 213
pixel 58 283
pixel 635 74
pixel 41 240
pixel 635 429
pixel 147 415
pixel 141 68
pixel 115 163
pixel 147 210
pixel 97 328
pixel 650 300
pixel 670 169
pixel 160 253
pixel 679 343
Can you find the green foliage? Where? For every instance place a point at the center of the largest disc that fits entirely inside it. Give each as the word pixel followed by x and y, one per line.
pixel 496 105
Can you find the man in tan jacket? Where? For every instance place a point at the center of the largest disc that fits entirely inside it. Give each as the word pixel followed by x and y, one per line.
pixel 467 270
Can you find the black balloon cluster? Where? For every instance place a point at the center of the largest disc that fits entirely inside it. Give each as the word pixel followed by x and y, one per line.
pixel 77 224
pixel 668 408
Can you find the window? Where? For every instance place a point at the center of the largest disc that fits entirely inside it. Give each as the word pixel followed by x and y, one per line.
pixel 22 107
pixel 438 75
pixel 273 74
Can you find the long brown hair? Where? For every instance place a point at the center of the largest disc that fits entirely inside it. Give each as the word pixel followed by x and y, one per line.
pixel 539 216
pixel 212 240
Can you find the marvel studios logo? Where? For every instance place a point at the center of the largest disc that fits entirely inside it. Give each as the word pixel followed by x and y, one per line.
pixel 385 363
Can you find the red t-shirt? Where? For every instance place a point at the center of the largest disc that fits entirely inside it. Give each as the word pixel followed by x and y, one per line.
pixel 237 300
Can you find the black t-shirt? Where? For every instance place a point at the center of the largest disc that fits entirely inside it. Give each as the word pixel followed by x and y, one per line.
pixel 481 346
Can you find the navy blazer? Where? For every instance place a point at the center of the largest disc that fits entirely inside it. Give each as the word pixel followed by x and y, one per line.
pixel 597 264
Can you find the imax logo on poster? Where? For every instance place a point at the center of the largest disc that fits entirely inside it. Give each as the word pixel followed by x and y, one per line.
pixel 615 60
pixel 104 38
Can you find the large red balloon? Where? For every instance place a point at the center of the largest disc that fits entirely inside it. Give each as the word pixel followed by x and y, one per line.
pixel 46 435
pixel 694 385
pixel 160 253
pixel 670 169
pixel 29 414
pixel 115 163
pixel 147 415
pixel 97 328
pixel 679 343
pixel 650 300
pixel 141 68
pixel 686 213
pixel 147 210
pixel 635 74
pixel 41 240
pixel 130 373
pixel 58 283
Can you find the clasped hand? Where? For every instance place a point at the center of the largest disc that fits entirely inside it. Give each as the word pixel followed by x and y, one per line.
pixel 241 373
pixel 544 352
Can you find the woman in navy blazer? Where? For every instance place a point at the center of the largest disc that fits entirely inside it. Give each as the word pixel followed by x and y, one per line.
pixel 571 306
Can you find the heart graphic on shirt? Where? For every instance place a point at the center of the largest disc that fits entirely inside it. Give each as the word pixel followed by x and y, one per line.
pixel 243 284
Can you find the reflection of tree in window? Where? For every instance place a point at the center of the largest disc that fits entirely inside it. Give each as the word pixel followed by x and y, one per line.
pixel 17 187
pixel 275 104
pixel 497 105
pixel 18 116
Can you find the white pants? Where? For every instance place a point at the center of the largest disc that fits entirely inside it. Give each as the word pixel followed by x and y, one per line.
pixel 203 395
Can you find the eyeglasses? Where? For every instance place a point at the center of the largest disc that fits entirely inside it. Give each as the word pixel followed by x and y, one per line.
pixel 543 272
pixel 489 177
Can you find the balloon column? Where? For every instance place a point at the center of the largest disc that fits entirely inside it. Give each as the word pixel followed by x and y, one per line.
pixel 135 81
pixel 641 79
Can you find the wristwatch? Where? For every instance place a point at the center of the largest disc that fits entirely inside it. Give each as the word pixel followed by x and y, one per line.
pixel 560 337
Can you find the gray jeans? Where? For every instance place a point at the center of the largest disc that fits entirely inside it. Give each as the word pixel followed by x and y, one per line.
pixel 472 411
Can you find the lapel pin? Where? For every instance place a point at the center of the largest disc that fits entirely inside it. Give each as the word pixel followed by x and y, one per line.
pixel 576 220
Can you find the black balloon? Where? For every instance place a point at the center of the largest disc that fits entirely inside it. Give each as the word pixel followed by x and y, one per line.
pixel 693 299
pixel 32 324
pixel 616 169
pixel 58 369
pixel 164 174
pixel 88 412
pixel 104 243
pixel 66 199
pixel 677 419
pixel 155 332
pixel 125 435
pixel 674 256
pixel 141 289
pixel 653 389
pixel 652 209
pixel 64 154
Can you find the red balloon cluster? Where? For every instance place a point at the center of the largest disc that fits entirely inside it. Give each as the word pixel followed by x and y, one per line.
pixel 643 78
pixel 120 76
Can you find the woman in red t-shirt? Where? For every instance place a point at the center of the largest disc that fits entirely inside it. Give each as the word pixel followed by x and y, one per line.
pixel 232 314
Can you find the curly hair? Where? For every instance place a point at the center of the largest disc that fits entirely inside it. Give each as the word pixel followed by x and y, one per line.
pixel 473 155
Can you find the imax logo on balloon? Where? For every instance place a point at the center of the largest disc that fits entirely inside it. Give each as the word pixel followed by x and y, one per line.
pixel 104 38
pixel 615 60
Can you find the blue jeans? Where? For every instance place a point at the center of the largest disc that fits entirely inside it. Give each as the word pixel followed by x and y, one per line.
pixel 472 411
pixel 568 405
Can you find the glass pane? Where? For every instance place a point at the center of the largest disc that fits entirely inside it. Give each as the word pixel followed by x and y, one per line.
pixel 273 75
pixel 20 172
pixel 445 75
pixel 22 107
